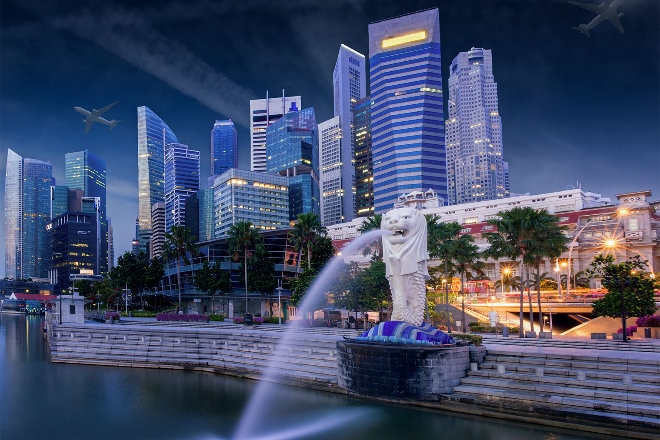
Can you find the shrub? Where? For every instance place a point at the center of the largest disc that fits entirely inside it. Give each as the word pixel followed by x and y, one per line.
pixel 272 320
pixel 140 314
pixel 217 317
pixel 630 330
pixel 470 339
pixel 181 317
pixel 648 321
pixel 241 320
pixel 112 315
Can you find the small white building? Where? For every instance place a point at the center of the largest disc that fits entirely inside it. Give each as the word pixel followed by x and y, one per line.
pixel 72 308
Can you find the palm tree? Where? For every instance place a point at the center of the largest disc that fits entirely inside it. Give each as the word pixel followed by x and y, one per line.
pixel 519 232
pixel 550 242
pixel 243 239
pixel 306 231
pixel 466 258
pixel 442 244
pixel 179 242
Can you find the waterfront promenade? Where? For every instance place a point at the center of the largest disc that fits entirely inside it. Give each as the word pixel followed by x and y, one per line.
pixel 606 387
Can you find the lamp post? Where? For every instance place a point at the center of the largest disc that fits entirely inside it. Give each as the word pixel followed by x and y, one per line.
pixel 444 281
pixel 506 271
pixel 279 304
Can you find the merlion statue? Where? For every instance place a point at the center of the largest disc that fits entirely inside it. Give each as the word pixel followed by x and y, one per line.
pixel 405 254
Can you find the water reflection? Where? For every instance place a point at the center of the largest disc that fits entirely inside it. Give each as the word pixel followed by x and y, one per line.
pixel 42 400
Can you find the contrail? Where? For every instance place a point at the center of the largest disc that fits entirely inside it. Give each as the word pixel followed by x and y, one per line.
pixel 127 35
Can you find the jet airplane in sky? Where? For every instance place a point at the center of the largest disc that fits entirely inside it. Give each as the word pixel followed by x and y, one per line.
pixel 607 10
pixel 95 116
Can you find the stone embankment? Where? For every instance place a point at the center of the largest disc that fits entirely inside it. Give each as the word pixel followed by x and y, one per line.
pixel 307 359
pixel 606 387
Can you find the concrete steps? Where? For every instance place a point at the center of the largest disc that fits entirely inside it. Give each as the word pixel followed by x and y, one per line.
pixel 579 378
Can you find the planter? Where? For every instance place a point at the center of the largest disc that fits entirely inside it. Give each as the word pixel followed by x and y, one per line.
pixel 655 332
pixel 505 332
pixel 545 335
pixel 530 334
pixel 617 336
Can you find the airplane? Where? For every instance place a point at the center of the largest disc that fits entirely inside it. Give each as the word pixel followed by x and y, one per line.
pixel 604 11
pixel 95 116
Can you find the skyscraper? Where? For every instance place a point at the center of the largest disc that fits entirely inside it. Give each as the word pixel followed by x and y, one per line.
pixel 153 135
pixel 224 147
pixel 475 167
pixel 181 181
pixel 86 171
pixel 364 173
pixel 330 172
pixel 293 151
pixel 264 112
pixel 157 230
pixel 248 196
pixel 27 212
pixel 407 117
pixel 350 84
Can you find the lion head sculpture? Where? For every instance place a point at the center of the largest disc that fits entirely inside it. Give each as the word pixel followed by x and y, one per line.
pixel 404 243
pixel 405 255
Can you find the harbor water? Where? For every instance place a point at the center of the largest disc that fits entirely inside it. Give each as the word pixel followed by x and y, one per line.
pixel 44 400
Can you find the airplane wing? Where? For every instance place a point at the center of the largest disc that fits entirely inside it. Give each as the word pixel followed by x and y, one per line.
pixel 100 111
pixel 616 22
pixel 588 6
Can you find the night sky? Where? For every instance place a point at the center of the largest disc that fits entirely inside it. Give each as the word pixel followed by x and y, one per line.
pixel 575 110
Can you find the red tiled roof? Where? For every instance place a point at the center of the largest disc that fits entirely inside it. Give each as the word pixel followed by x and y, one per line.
pixel 27 296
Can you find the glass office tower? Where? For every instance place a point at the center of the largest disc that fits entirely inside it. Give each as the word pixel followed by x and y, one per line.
pixel 364 174
pixel 407 117
pixel 476 170
pixel 248 196
pixel 181 181
pixel 264 112
pixel 153 135
pixel 224 147
pixel 330 172
pixel 28 185
pixel 292 150
pixel 86 171
pixel 349 82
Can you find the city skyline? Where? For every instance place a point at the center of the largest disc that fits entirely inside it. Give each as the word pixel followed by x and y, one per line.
pixel 574 108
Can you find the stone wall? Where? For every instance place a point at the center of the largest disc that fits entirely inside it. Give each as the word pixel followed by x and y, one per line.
pixel 400 371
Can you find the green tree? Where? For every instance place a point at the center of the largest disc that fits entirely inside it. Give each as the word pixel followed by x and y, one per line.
pixel 371 224
pixel 442 244
pixel 519 232
pixel 630 291
pixel 466 260
pixel 135 273
pixel 243 239
pixel 549 243
pixel 323 251
pixel 179 243
pixel 307 230
pixel 212 279
pixel 262 274
pixel 301 284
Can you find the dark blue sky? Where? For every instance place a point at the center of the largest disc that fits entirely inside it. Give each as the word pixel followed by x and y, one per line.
pixel 574 109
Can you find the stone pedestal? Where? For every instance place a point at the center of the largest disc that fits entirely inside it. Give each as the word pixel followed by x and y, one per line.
pixel 400 371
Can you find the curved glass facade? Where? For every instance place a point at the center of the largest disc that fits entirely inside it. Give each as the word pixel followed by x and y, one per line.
pixel 153 135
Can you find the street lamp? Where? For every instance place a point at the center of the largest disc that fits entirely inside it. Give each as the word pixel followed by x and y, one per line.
pixel 506 271
pixel 444 281
pixel 279 304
